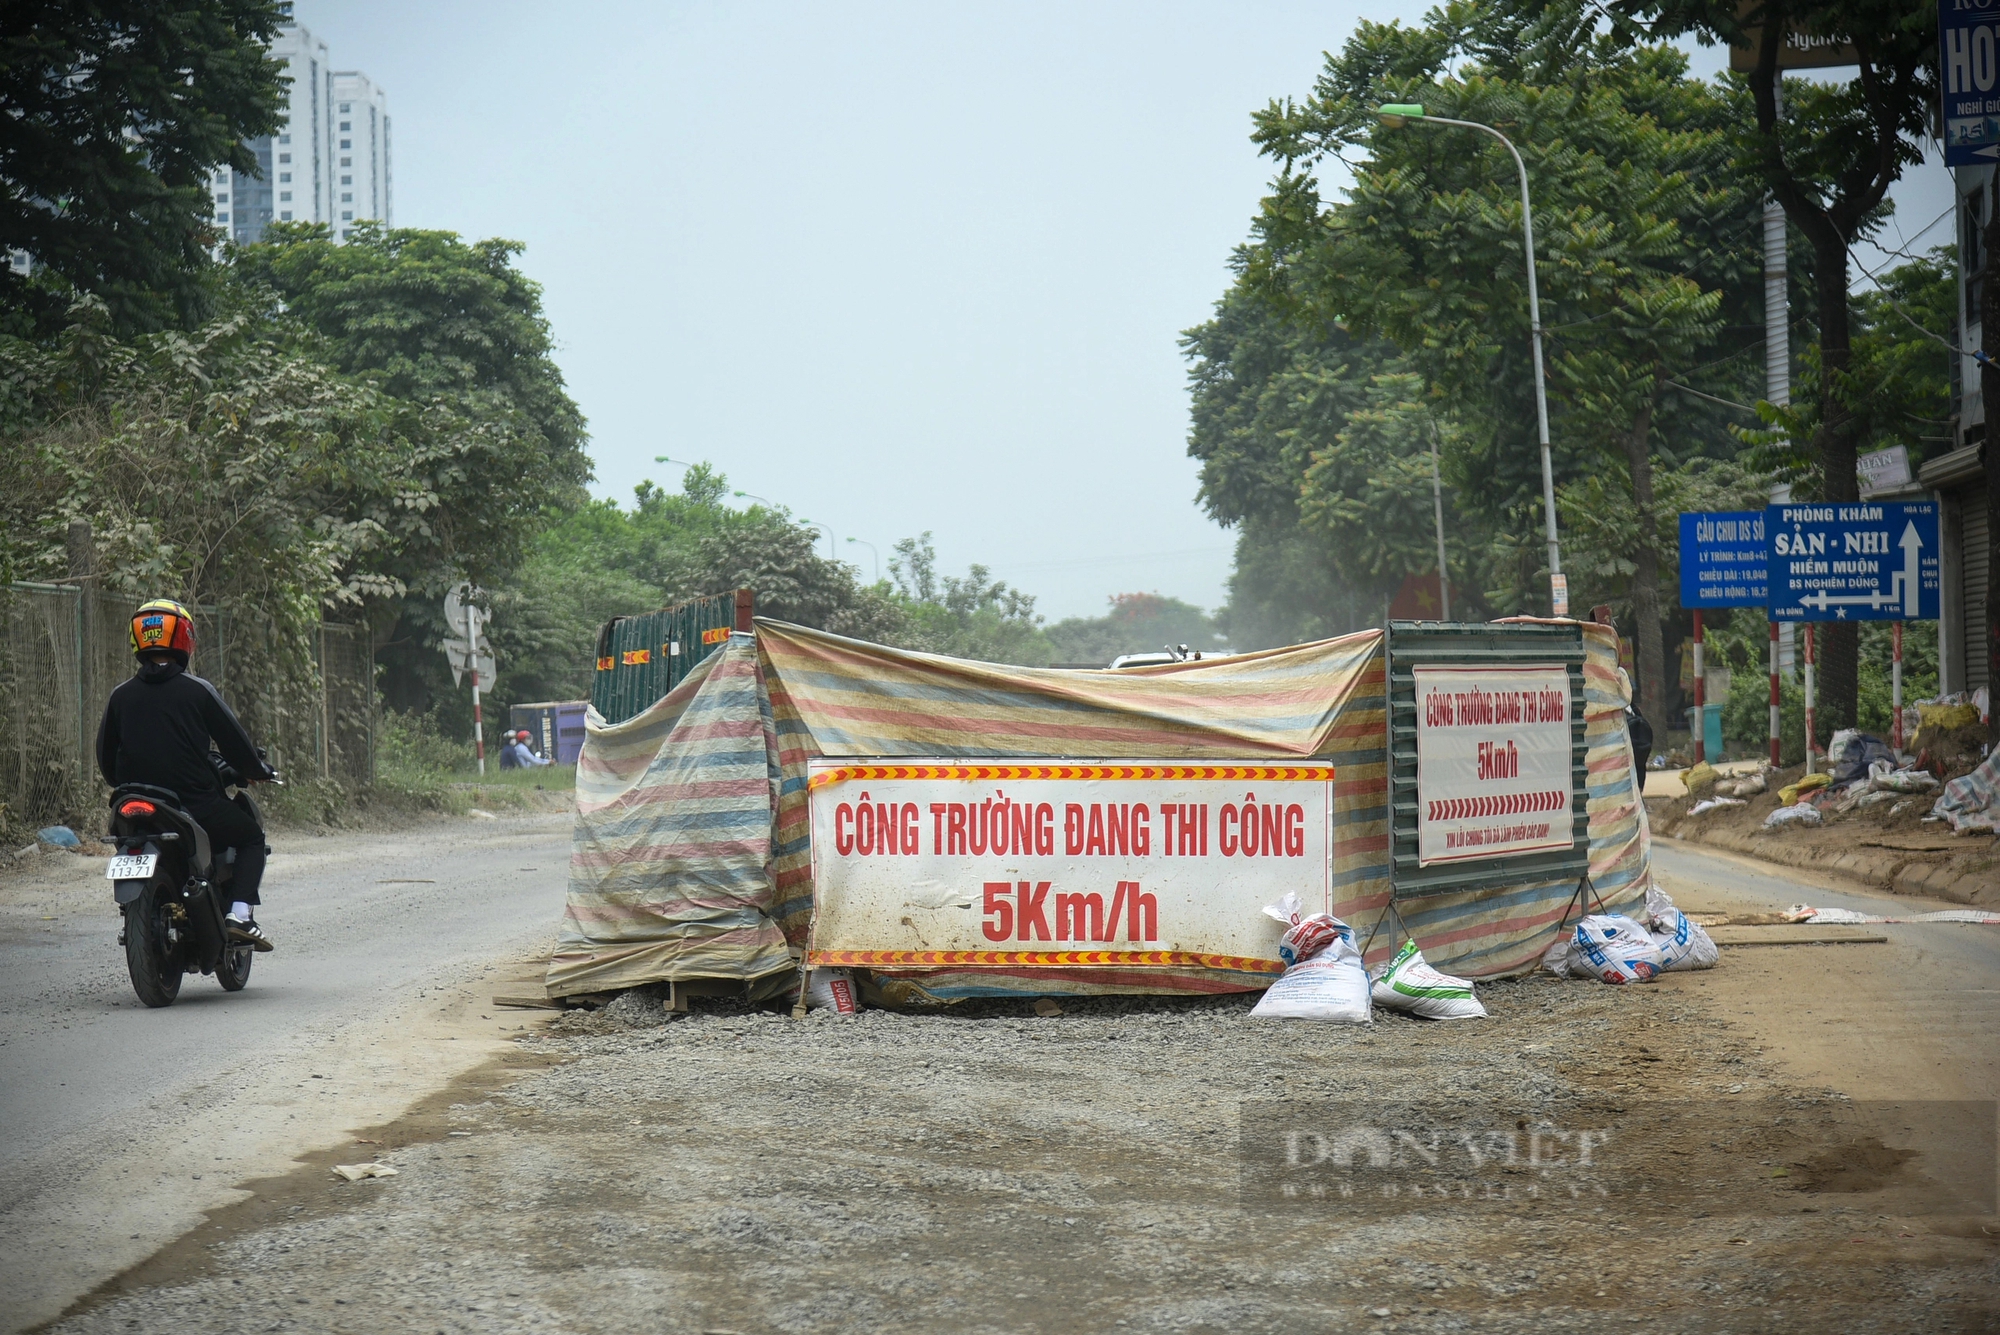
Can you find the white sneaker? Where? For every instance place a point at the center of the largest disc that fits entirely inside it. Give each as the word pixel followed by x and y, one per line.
pixel 247 932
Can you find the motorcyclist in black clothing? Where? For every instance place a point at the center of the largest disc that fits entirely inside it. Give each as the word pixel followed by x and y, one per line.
pixel 158 728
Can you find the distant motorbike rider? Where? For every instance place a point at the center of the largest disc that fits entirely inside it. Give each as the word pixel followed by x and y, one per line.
pixel 516 753
pixel 158 728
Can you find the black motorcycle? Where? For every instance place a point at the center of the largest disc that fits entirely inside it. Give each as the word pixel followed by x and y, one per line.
pixel 173 892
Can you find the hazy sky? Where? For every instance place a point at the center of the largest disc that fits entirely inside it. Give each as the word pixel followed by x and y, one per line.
pixel 900 267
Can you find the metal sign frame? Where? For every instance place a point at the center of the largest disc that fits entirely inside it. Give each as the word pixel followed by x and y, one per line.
pixel 1410 644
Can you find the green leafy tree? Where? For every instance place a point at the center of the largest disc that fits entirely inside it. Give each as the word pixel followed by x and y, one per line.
pixel 1642 232
pixel 116 113
pixel 578 574
pixel 456 330
pixel 1897 383
pixel 1829 156
pixel 1369 493
pixel 1138 623
pixel 600 559
pixel 1269 392
pixel 767 551
pixel 455 333
pixel 216 466
pixel 974 616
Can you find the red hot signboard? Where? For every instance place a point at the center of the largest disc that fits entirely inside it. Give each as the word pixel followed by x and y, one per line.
pixel 1028 862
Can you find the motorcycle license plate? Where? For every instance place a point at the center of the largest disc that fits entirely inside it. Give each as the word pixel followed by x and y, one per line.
pixel 132 867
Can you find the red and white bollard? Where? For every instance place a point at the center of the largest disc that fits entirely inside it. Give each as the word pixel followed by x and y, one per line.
pixel 1777 715
pixel 1700 696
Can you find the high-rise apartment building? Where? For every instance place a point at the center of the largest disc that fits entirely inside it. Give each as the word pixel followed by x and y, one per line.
pixel 361 151
pixel 312 169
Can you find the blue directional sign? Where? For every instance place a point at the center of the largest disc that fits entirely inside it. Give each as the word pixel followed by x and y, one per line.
pixel 1876 561
pixel 1724 559
pixel 1968 31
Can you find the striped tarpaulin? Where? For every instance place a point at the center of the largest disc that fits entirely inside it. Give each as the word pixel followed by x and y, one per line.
pixel 669 866
pixel 839 697
pixel 811 694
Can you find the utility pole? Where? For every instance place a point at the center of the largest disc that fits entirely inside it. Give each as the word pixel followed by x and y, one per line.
pixel 1778 393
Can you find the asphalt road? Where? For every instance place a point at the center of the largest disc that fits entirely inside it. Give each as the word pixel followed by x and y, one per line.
pixel 97 1091
pixel 1737 882
pixel 1916 1016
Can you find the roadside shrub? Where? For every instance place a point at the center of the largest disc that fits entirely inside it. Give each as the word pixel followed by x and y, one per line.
pixel 1746 717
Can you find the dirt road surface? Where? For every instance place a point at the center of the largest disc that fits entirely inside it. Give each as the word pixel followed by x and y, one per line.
pixel 124 1125
pixel 995 1169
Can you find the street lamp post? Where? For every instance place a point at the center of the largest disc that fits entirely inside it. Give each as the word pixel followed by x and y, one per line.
pixel 831 552
pixel 1398 113
pixel 872 552
pixel 810 523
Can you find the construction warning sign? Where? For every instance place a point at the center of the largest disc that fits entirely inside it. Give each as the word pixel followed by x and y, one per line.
pixel 1493 761
pixel 1032 862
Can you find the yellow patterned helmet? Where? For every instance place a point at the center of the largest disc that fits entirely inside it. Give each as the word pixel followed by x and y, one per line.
pixel 163 624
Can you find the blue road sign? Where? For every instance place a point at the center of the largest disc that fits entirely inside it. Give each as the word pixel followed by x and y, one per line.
pixel 1968 45
pixel 1876 561
pixel 1724 559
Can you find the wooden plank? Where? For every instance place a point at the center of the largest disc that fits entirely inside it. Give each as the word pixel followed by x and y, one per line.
pixel 1796 934
pixel 529 1001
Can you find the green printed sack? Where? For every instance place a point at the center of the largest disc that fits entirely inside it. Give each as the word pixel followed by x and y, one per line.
pixel 1406 983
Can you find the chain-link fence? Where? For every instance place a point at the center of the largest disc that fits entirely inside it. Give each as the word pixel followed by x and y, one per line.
pixel 309 700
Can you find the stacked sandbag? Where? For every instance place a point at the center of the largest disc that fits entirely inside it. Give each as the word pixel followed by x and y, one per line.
pixel 1614 949
pixel 1748 786
pixel 1406 983
pixel 1324 978
pixel 1683 943
pixel 1805 784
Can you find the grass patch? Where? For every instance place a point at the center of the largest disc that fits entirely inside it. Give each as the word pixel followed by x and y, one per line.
pixel 419 772
pixel 553 778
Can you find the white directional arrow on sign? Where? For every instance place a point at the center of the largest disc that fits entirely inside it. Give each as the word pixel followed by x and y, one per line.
pixel 1903 584
pixel 1823 600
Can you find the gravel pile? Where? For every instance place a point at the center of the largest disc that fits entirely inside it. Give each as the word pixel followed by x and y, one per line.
pixel 992 1169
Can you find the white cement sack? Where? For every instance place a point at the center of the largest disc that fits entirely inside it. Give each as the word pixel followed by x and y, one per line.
pixel 1616 950
pixel 832 990
pixel 1331 985
pixel 1560 958
pixel 1802 813
pixel 1407 983
pixel 1683 942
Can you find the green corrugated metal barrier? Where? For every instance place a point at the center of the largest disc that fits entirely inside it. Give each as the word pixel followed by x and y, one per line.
pixel 640 659
pixel 1427 642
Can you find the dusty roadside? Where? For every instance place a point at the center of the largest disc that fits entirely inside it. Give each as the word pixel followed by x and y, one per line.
pixel 1889 845
pixel 994 1169
pixel 126 1125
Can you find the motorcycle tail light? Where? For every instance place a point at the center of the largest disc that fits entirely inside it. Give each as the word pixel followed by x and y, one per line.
pixel 137 807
